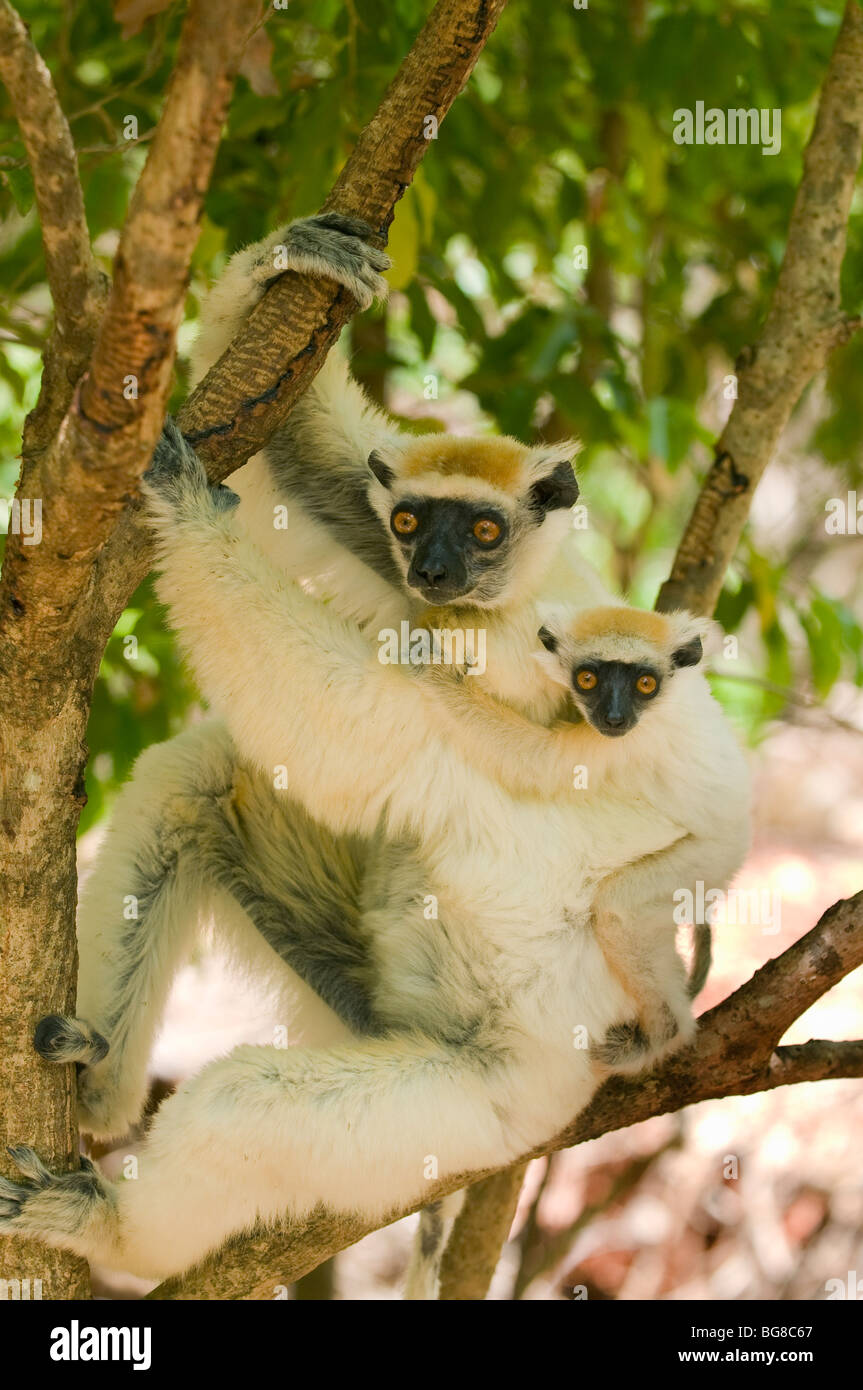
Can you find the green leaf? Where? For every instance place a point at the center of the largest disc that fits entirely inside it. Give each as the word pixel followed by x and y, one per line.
pixel 20 185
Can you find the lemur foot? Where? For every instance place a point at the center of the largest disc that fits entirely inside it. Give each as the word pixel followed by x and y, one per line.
pixel 642 1042
pixel 62 1038
pixel 176 474
pixel 331 245
pixel 106 1109
pixel 49 1205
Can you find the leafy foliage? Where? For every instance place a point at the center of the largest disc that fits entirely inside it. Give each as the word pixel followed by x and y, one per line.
pixel 563 267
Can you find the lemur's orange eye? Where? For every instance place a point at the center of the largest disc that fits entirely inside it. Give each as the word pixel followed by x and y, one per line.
pixel 586 680
pixel 405 523
pixel 486 530
pixel 645 685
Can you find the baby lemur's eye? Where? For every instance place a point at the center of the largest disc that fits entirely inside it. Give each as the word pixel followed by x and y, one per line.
pixel 645 685
pixel 486 530
pixel 585 680
pixel 405 523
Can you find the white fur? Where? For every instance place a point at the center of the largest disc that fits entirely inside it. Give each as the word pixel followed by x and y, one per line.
pixel 480 1002
pixel 264 1131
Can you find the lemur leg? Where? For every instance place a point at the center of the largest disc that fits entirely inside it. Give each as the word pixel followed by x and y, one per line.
pixel 422 1281
pixel 189 827
pixel 139 913
pixel 642 955
pixel 636 930
pixel 267 1133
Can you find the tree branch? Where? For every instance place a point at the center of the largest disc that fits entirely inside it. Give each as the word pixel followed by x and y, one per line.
pixel 249 392
pixel 481 1227
pixel 804 324
pixel 736 1041
pixel 85 477
pixel 78 287
pixel 734 1053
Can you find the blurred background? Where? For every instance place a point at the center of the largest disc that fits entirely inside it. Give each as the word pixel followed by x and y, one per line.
pixel 562 267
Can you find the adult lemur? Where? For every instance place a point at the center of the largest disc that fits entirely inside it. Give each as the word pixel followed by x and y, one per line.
pixel 470 1019
pixel 467 1017
pixel 179 850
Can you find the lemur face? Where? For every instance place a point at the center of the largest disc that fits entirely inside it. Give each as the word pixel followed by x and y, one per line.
pixel 612 695
pixel 464 514
pixel 451 547
pixel 615 662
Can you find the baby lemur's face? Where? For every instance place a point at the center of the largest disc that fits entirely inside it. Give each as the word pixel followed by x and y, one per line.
pixel 470 520
pixel 616 662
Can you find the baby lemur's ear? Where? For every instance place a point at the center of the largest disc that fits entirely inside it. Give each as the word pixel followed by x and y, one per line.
pixel 555 618
pixel 552 636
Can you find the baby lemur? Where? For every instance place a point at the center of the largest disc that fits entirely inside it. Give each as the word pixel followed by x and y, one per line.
pixel 632 683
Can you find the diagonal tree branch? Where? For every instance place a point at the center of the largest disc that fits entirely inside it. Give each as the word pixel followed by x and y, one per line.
pixel 803 326
pixel 304 316
pixel 249 392
pixel 737 1040
pixel 734 1053
pixel 78 287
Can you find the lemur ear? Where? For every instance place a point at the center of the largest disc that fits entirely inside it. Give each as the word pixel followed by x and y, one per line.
pixel 689 654
pixel 548 639
pixel 382 471
pixel 557 488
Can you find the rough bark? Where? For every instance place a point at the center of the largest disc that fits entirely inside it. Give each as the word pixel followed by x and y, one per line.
pixel 249 392
pixel 804 324
pixel 735 1053
pixel 82 476
pixel 480 1230
pixel 85 476
pixel 78 287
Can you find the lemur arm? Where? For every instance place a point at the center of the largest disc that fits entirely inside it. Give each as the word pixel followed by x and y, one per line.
pixel 351 733
pixel 634 923
pixel 318 458
pixel 527 759
pixel 332 245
